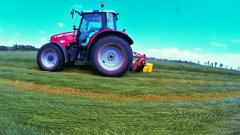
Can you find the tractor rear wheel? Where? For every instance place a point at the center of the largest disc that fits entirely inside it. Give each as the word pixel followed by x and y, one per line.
pixel 50 58
pixel 111 56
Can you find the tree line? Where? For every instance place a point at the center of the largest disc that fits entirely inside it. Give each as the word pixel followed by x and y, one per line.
pixel 17 47
pixel 208 63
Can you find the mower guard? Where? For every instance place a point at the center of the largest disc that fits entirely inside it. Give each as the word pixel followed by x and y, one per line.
pixel 140 63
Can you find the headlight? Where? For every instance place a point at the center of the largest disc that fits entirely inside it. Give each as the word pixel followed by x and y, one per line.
pixel 62 41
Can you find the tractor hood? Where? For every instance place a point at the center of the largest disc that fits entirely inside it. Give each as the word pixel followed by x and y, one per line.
pixel 64 38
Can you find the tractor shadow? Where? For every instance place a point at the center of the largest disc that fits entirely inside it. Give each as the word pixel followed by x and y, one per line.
pixel 78 69
pixel 83 69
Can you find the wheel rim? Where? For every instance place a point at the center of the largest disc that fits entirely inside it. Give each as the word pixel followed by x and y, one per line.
pixel 49 58
pixel 110 57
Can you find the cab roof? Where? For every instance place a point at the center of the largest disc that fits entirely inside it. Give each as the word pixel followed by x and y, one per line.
pixel 99 11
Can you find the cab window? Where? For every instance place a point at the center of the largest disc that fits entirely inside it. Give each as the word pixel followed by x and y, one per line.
pixel 111 21
pixel 91 24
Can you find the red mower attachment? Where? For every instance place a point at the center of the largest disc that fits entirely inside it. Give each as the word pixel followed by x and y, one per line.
pixel 140 63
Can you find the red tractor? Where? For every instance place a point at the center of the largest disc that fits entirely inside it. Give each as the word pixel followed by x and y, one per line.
pixel 96 41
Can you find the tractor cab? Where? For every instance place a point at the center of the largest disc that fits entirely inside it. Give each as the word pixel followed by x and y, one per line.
pixel 93 22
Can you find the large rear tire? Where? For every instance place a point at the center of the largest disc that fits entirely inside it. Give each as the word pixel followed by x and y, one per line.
pixel 111 56
pixel 50 58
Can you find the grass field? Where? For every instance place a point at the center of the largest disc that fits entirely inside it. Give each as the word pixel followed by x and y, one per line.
pixel 174 99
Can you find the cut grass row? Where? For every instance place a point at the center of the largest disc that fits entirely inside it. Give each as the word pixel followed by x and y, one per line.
pixel 135 84
pixel 67 91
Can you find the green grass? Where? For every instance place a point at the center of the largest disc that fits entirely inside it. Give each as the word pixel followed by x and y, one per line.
pixel 32 111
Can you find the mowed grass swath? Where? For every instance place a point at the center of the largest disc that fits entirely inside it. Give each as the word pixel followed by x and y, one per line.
pixel 174 99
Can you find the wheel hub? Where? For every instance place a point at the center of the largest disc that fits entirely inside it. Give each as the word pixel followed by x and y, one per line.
pixel 111 56
pixel 50 58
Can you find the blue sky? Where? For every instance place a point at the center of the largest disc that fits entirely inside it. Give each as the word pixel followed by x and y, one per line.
pixel 197 30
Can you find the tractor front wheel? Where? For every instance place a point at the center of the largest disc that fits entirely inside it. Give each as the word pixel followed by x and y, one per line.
pixel 111 56
pixel 50 58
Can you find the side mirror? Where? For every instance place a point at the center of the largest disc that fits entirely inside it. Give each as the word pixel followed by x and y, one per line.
pixel 74 27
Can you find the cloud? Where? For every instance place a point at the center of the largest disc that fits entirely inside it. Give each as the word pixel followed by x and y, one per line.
pixel 213 37
pixel 231 60
pixel 198 49
pixel 2 43
pixel 41 32
pixel 77 6
pixel 154 50
pixel 236 41
pixel 11 42
pixel 171 53
pixel 43 39
pixel 60 24
pixel 18 34
pixel 218 44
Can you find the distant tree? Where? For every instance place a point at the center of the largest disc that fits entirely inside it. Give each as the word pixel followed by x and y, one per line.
pixel 198 62
pixel 215 64
pixel 208 63
pixel 221 65
pixel 17 47
pixel 3 48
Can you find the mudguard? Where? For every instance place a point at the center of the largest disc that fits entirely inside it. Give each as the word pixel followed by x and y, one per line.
pixel 63 49
pixel 107 32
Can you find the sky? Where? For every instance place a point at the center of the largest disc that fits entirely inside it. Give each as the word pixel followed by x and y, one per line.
pixel 196 30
